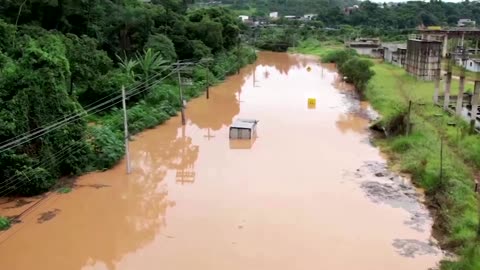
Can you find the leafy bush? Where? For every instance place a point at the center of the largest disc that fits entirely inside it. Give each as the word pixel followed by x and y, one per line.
pixel 4 223
pixel 339 56
pixel 107 146
pixel 200 50
pixel 357 72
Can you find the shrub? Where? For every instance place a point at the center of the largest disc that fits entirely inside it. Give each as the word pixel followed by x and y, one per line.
pixel 4 223
pixel 107 146
pixel 357 72
pixel 339 56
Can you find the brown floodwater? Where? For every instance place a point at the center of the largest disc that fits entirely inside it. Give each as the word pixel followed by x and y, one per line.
pixel 309 192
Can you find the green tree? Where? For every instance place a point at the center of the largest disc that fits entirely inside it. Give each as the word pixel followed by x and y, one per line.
pixel 163 45
pixel 150 63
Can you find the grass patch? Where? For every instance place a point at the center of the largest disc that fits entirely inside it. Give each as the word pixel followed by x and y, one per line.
pixel 64 190
pixel 450 191
pixel 4 223
pixel 315 47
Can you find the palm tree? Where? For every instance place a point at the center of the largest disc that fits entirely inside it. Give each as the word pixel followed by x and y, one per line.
pixel 150 62
pixel 128 65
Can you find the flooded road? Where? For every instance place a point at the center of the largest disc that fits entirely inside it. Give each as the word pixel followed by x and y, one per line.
pixel 310 192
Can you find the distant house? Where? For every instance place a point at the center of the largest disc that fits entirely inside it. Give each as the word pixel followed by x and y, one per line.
pixel 349 10
pixel 466 23
pixel 473 65
pixel 291 17
pixel 309 17
pixel 366 46
pixel 273 15
pixel 395 53
pixel 243 18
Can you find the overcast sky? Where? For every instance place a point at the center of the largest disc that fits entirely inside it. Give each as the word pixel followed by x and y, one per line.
pixel 381 1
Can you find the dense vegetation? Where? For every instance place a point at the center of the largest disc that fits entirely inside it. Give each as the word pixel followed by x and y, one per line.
pixel 59 59
pixel 370 14
pixel 390 21
pixel 355 69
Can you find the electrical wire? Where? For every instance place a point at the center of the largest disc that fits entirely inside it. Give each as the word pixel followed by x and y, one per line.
pixel 86 108
pixel 64 153
pixel 76 117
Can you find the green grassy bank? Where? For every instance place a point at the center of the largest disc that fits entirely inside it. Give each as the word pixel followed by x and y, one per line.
pixel 448 179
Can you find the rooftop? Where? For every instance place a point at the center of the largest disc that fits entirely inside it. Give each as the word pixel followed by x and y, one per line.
pixel 395 46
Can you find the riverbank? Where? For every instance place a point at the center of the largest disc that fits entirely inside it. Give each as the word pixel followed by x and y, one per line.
pixel 104 146
pixel 450 191
pixel 249 201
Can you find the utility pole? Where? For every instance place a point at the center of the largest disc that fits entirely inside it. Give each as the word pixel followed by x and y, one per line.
pixel 181 94
pixel 125 124
pixel 208 80
pixel 238 53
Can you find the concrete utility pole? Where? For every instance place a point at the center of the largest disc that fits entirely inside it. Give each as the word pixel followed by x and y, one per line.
pixel 445 46
pixel 208 80
pixel 182 110
pixel 125 125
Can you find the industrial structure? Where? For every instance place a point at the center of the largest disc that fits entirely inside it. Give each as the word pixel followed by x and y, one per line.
pixel 366 46
pixel 395 53
pixel 423 58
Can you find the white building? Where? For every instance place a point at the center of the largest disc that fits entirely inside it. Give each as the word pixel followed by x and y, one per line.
pixel 244 18
pixel 273 15
pixel 309 17
pixel 466 23
pixel 473 65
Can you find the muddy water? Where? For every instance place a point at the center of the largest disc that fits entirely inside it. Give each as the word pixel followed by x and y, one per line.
pixel 310 192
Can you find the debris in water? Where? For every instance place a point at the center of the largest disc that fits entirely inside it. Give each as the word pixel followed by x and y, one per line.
pixel 46 216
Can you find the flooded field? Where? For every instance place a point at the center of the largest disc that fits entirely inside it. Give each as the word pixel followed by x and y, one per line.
pixel 309 192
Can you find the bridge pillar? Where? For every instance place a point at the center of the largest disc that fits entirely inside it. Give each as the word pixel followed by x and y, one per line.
pixel 475 101
pixel 437 88
pixel 448 83
pixel 461 89
pixel 445 46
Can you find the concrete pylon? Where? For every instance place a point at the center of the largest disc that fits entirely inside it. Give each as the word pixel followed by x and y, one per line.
pixel 461 89
pixel 448 83
pixel 445 46
pixel 437 88
pixel 475 101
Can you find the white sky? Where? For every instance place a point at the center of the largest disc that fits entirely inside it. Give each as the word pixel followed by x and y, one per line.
pixel 382 1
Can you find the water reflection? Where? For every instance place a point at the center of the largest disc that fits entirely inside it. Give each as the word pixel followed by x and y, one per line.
pixel 224 207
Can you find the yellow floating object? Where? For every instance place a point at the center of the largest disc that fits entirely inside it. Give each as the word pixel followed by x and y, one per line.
pixel 312 103
pixel 309 69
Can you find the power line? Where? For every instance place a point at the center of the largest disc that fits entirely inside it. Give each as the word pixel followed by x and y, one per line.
pixel 63 153
pixel 76 117
pixel 86 108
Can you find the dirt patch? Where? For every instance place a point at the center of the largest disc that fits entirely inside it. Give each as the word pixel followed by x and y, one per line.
pixel 383 186
pixel 46 216
pixel 19 203
pixel 412 247
pixel 95 186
